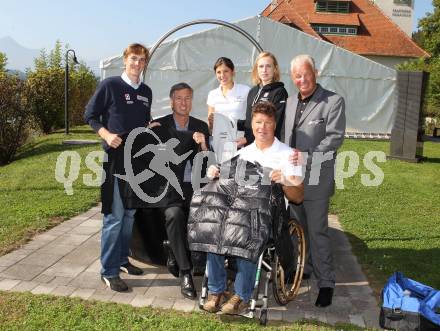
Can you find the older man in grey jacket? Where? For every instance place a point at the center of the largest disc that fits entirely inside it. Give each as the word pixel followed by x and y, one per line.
pixel 315 125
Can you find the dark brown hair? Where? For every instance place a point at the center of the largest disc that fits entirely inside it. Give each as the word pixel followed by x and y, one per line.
pixel 266 108
pixel 224 60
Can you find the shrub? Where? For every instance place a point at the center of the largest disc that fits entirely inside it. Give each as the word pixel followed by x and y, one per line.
pixel 45 94
pixel 14 117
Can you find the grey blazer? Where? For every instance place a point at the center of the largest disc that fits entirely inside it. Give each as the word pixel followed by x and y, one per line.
pixel 320 129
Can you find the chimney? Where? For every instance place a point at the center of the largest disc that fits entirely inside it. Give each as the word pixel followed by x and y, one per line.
pixel 273 4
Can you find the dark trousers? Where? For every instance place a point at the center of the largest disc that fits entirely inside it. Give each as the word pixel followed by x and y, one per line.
pixel 176 218
pixel 313 217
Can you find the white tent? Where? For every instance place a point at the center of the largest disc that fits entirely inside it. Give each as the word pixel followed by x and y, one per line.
pixel 368 87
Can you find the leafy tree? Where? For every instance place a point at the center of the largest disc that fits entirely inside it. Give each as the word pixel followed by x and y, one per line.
pixel 41 62
pixel 45 92
pixel 428 37
pixel 82 86
pixel 45 88
pixel 14 117
pixel 430 30
pixel 3 62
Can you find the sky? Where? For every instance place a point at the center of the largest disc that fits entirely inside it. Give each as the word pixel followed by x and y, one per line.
pixel 98 29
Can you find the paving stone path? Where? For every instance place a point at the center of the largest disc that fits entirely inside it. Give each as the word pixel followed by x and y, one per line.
pixel 65 261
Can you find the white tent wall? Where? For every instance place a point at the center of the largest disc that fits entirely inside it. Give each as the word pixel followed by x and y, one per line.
pixel 368 87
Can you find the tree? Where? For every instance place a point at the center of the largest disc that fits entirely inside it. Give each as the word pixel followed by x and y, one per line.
pixel 430 30
pixel 3 62
pixel 83 85
pixel 45 88
pixel 45 92
pixel 428 37
pixel 14 117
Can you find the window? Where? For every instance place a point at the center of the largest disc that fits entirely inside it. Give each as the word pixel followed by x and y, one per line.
pixel 333 6
pixel 335 29
pixel 403 2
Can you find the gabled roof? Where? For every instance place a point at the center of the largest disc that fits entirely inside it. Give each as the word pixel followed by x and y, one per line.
pixel 377 33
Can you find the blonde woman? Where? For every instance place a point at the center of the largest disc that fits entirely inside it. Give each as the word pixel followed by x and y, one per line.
pixel 265 76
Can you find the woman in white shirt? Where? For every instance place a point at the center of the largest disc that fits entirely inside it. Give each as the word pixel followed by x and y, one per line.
pixel 229 98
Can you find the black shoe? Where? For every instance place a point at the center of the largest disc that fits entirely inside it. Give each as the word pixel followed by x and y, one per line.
pixel 324 297
pixel 187 286
pixel 115 283
pixel 130 269
pixel 172 266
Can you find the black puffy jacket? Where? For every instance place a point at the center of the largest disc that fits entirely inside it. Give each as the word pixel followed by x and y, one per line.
pixel 231 217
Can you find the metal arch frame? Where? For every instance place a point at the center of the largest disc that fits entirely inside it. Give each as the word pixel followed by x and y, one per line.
pixel 196 22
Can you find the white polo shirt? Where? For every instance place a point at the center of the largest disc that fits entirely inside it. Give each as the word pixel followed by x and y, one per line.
pixel 275 157
pixel 233 104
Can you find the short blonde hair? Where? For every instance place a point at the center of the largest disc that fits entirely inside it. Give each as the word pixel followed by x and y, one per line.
pixel 276 73
pixel 137 49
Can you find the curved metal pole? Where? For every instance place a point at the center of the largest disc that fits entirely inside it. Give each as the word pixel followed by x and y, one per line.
pixel 202 21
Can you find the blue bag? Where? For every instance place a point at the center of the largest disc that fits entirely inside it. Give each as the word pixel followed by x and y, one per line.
pixel 430 311
pixel 403 301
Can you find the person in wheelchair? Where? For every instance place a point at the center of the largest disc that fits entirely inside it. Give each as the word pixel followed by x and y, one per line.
pixel 236 219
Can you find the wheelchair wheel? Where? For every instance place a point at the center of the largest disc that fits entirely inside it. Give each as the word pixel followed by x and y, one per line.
pixel 285 290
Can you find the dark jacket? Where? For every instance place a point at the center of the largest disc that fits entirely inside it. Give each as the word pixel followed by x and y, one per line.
pixel 157 184
pixel 273 92
pixel 230 217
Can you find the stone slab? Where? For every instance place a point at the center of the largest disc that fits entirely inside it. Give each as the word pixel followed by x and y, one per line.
pixel 185 305
pixel 8 284
pixel 43 289
pixel 63 290
pixel 22 271
pixel 24 286
pixel 83 293
pixel 141 301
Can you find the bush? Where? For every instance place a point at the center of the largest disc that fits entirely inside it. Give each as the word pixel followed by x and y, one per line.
pixel 45 88
pixel 45 94
pixel 82 86
pixel 14 117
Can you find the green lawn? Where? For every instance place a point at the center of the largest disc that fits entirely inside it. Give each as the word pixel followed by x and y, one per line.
pixel 394 226
pixel 24 311
pixel 31 200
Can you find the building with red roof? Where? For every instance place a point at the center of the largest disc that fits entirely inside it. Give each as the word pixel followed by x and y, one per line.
pixel 359 26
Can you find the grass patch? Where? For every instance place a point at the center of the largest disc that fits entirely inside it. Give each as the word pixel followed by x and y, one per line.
pixel 394 226
pixel 24 311
pixel 31 200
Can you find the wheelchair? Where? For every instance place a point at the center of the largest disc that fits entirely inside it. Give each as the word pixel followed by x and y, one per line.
pixel 284 288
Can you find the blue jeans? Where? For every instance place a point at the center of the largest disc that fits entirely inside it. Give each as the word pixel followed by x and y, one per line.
pixel 244 280
pixel 116 235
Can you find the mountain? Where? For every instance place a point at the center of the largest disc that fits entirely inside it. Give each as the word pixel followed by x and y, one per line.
pixel 19 57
